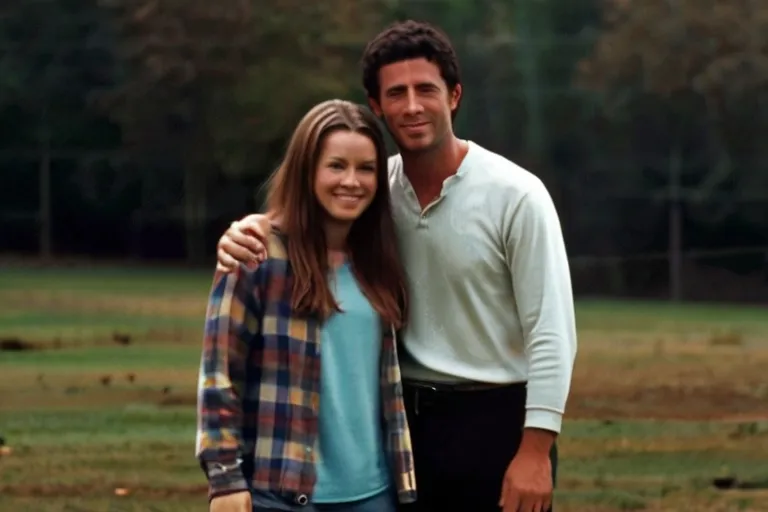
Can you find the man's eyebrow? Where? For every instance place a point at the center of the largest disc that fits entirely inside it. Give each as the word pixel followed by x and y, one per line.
pixel 398 87
pixel 422 84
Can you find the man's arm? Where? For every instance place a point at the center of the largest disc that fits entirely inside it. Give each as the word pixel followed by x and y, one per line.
pixel 231 322
pixel 542 283
pixel 539 265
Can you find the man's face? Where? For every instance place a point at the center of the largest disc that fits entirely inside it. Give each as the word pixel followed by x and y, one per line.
pixel 416 104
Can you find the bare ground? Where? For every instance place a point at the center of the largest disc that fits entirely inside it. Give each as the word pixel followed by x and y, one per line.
pixel 684 372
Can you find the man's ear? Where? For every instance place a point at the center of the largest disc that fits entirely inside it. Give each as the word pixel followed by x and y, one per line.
pixel 455 97
pixel 375 107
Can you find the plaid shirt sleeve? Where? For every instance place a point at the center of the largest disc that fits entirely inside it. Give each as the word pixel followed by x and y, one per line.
pixel 230 324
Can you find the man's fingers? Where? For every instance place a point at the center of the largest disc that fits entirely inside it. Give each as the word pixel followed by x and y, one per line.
pixel 534 503
pixel 503 493
pixel 259 226
pixel 242 238
pixel 225 262
pixel 512 501
pixel 263 227
pixel 527 504
pixel 512 506
pixel 238 250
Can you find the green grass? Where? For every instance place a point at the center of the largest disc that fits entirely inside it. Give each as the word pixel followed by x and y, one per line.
pixel 111 279
pixel 106 359
pixel 148 450
pixel 637 315
pixel 75 438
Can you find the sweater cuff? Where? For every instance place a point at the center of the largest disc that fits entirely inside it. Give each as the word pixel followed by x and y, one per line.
pixel 543 419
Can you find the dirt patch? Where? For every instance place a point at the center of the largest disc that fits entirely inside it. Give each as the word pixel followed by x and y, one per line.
pixel 152 303
pixel 14 344
pixel 759 417
pixel 97 488
pixel 685 381
pixel 177 334
pixel 665 402
pixel 185 399
pixel 17 345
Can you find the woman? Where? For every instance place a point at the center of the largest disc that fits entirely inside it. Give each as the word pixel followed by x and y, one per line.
pixel 280 427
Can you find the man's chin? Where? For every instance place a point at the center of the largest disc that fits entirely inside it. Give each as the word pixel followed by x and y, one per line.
pixel 417 146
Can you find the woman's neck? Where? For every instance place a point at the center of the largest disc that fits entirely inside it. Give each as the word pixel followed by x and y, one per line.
pixel 336 234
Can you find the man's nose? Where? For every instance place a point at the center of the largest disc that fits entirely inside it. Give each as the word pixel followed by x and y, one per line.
pixel 414 105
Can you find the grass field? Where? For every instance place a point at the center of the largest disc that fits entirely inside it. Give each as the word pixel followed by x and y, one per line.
pixel 664 399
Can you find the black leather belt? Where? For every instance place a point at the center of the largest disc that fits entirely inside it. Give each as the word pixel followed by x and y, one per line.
pixel 452 386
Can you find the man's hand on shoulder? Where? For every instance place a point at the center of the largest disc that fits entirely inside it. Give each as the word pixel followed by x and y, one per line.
pixel 244 242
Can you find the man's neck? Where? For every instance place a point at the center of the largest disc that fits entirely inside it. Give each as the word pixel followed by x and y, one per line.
pixel 435 166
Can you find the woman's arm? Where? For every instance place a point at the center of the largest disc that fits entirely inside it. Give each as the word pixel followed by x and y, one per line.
pixel 231 323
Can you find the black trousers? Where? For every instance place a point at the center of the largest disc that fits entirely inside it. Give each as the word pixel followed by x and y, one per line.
pixel 463 442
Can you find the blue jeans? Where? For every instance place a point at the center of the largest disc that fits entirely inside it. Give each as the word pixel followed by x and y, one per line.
pixel 385 501
pixel 382 502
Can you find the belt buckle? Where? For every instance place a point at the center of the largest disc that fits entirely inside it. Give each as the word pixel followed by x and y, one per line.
pixel 423 385
pixel 419 388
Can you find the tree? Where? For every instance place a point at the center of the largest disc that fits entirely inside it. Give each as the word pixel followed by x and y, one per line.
pixel 684 70
pixel 175 55
pixel 54 52
pixel 218 85
pixel 312 51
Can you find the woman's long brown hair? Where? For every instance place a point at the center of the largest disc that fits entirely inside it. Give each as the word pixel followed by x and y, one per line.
pixel 372 242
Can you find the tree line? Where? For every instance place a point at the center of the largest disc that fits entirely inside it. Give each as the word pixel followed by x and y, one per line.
pixel 141 128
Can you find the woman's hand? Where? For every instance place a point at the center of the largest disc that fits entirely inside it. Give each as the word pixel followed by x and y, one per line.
pixel 235 502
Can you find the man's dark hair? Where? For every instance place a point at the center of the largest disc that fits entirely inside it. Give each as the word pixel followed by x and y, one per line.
pixel 409 40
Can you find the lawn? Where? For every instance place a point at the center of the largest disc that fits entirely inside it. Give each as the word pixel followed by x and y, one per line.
pixel 664 398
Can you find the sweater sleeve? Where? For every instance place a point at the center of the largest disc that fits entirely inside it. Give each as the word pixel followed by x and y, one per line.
pixel 541 279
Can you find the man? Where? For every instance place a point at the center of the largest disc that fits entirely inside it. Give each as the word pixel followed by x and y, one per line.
pixel 491 341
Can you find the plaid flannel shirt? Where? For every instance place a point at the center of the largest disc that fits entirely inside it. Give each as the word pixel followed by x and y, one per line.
pixel 259 385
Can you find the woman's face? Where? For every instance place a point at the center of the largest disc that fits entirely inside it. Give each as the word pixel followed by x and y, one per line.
pixel 346 175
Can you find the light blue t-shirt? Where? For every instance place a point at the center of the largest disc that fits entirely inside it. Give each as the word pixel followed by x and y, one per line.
pixel 351 464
